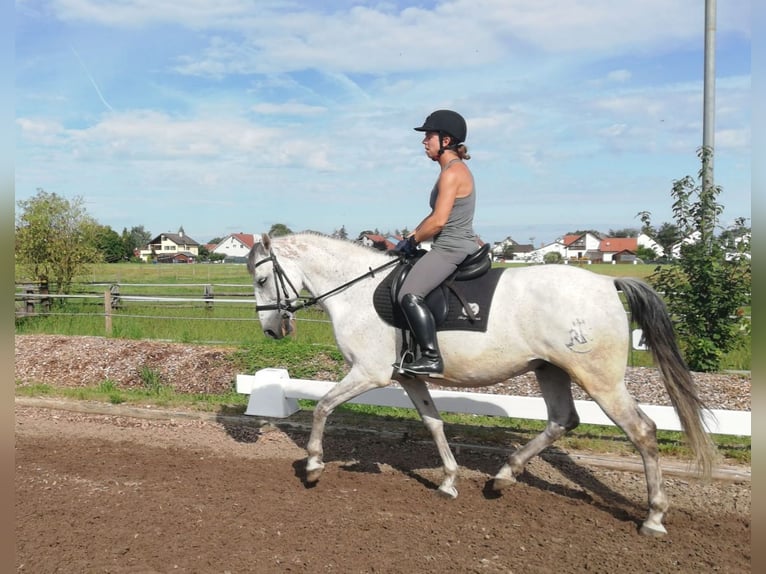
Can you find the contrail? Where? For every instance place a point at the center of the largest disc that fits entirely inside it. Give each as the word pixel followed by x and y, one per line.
pixel 92 81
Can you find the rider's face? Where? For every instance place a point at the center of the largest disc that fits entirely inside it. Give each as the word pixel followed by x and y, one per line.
pixel 431 144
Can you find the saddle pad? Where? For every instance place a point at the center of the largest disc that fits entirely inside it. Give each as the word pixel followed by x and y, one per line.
pixel 477 293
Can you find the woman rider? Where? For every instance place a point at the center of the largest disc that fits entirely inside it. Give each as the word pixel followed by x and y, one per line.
pixel 449 226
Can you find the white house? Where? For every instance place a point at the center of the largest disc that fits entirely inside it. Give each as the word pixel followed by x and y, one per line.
pixel 519 251
pixel 235 245
pixel 581 246
pixel 171 248
pixel 538 255
pixel 644 240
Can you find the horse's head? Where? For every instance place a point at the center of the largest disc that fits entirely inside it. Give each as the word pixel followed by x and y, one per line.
pixel 272 286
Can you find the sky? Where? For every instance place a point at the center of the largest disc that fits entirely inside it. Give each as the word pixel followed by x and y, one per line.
pixel 231 116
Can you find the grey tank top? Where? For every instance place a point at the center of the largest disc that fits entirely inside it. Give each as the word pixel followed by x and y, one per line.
pixel 457 234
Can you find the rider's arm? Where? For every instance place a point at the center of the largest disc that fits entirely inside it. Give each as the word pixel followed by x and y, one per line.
pixel 445 199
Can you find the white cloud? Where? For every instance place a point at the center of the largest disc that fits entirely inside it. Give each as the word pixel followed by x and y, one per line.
pixel 233 101
pixel 619 76
pixel 288 108
pixel 279 37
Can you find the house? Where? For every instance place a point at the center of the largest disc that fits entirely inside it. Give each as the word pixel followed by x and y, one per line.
pixel 171 248
pixel 618 250
pixel 675 250
pixel 235 245
pixel 538 255
pixel 377 241
pixel 508 249
pixel 644 240
pixel 582 246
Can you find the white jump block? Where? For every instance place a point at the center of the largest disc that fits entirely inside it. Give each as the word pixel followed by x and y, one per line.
pixel 274 394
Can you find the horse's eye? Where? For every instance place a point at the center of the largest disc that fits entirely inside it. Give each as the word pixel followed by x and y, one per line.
pixel 261 281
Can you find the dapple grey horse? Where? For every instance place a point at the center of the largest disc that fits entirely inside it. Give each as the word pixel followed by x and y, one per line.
pixel 564 323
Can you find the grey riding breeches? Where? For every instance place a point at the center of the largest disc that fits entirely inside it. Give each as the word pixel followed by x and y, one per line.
pixel 429 272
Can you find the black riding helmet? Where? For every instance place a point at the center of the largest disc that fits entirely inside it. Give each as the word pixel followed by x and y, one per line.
pixel 446 123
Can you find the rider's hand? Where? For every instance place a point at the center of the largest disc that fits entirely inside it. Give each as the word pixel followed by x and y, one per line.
pixel 407 247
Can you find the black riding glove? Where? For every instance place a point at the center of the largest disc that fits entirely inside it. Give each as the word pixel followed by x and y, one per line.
pixel 407 247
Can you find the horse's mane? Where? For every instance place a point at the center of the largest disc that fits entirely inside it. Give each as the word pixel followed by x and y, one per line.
pixel 352 244
pixel 355 243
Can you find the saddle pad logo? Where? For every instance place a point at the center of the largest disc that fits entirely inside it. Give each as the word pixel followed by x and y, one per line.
pixel 474 307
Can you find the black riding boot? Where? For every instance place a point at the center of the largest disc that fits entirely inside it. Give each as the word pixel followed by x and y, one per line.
pixel 423 327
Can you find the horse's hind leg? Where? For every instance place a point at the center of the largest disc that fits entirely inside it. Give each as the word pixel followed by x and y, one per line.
pixel 421 398
pixel 622 408
pixel 556 388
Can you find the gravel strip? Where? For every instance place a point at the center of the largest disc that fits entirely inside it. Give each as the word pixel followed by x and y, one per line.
pixel 82 361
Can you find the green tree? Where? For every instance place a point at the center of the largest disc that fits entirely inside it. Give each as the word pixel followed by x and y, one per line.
pixel 627 232
pixel 341 233
pixel 666 235
pixel 646 253
pixel 55 239
pixel 109 244
pixel 705 289
pixel 135 239
pixel 552 257
pixel 279 229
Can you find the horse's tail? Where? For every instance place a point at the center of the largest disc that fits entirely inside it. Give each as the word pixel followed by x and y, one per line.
pixel 648 310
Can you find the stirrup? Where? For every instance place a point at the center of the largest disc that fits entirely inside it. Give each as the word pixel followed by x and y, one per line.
pixel 403 369
pixel 399 365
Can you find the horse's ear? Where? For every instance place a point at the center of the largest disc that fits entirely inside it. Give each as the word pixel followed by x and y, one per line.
pixel 266 241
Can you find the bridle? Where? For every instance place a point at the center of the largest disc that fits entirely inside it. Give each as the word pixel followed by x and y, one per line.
pixel 288 304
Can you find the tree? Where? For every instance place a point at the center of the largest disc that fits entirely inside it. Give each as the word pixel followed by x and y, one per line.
pixel 666 236
pixel 55 238
pixel 627 232
pixel 508 250
pixel 704 289
pixel 135 239
pixel 584 231
pixel 341 233
pixel 279 229
pixel 646 253
pixel 552 257
pixel 109 244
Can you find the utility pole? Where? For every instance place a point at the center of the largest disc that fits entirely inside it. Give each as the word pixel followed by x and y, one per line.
pixel 708 107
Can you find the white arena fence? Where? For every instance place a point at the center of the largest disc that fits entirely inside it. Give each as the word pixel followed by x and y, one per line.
pixel 274 394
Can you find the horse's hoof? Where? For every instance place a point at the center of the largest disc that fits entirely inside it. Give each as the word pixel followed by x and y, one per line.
pixel 657 531
pixel 449 492
pixel 313 472
pixel 501 483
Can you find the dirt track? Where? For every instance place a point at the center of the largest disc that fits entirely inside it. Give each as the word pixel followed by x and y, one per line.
pixel 117 494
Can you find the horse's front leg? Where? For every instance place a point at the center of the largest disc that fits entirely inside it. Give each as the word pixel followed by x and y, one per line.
pixel 421 398
pixel 352 385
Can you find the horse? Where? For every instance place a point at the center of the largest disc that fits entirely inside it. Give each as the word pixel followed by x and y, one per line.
pixel 566 324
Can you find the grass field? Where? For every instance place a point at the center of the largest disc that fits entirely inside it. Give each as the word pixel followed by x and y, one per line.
pixel 228 317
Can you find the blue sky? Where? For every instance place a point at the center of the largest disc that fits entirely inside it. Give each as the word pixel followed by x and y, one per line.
pixel 233 115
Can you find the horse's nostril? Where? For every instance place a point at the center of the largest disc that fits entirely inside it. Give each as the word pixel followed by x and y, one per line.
pixel 270 333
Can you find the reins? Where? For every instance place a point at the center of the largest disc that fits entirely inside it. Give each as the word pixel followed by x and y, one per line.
pixel 291 305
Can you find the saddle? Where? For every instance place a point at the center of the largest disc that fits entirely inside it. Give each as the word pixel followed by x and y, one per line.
pixel 461 302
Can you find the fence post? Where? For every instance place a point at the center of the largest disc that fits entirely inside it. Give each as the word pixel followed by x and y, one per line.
pixel 115 296
pixel 29 302
pixel 208 296
pixel 45 302
pixel 108 312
